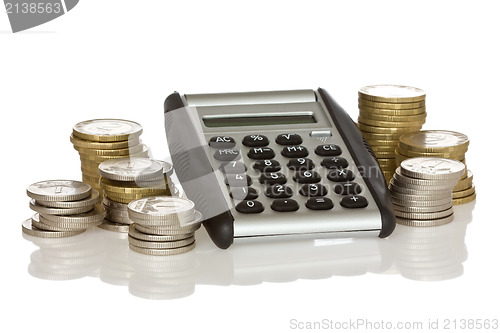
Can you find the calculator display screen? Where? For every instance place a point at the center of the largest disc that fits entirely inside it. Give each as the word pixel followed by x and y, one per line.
pixel 259 120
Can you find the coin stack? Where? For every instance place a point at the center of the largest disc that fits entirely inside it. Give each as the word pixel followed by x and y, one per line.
pixel 99 140
pixel 386 112
pixel 439 143
pixel 421 190
pixel 126 179
pixel 162 225
pixel 64 208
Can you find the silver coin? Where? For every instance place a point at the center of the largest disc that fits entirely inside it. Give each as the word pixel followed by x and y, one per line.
pixel 425 223
pixel 58 211
pixel 33 231
pixel 114 226
pixel 133 232
pixel 421 203
pixel 131 169
pixel 163 252
pixel 161 208
pixel 432 168
pixel 59 190
pixel 160 245
pixel 87 202
pixel 424 216
pixel 410 209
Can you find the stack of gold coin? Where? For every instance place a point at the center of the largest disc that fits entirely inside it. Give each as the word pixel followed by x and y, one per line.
pixel 162 225
pixel 127 179
pixel 385 113
pixel 440 143
pixel 99 140
pixel 63 208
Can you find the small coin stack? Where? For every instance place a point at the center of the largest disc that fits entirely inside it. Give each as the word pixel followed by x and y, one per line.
pixel 439 143
pixel 386 112
pixel 127 179
pixel 162 225
pixel 421 190
pixel 99 140
pixel 64 208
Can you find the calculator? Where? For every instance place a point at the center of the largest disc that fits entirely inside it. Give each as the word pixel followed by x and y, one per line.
pixel 276 165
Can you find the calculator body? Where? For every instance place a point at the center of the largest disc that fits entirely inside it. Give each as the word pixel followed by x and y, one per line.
pixel 278 165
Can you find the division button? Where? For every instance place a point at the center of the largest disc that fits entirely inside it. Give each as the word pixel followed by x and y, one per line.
pixel 226 154
pixel 255 140
pixel 278 191
pixel 294 151
pixel 334 162
pixel 267 166
pixel 307 177
pixel 284 205
pixel 300 163
pixel 328 150
pixel 222 142
pixel 244 193
pixel 288 139
pixel 347 188
pixel 354 201
pixel 233 167
pixel 313 190
pixel 271 178
pixel 250 207
pixel 340 175
pixel 319 204
pixel 238 180
pixel 261 153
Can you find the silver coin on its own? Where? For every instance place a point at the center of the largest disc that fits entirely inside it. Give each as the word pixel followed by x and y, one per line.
pixel 432 168
pixel 59 190
pixel 131 169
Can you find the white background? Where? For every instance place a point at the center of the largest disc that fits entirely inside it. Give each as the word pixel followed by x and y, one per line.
pixel 121 58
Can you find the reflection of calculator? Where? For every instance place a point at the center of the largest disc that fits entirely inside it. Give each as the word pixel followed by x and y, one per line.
pixel 276 165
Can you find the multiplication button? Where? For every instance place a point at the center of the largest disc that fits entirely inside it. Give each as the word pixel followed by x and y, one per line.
pixel 319 203
pixel 284 205
pixel 222 142
pixel 250 207
pixel 255 140
pixel 354 201
pixel 226 154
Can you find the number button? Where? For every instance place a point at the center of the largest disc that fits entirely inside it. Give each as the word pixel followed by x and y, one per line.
pixel 354 201
pixel 347 188
pixel 255 140
pixel 319 204
pixel 334 162
pixel 340 175
pixel 288 139
pixel 294 151
pixel 233 167
pixel 284 205
pixel 250 207
pixel 278 191
pixel 271 178
pixel 244 193
pixel 267 166
pixel 238 180
pixel 313 190
pixel 300 164
pixel 222 142
pixel 307 177
pixel 226 154
pixel 328 150
pixel 261 153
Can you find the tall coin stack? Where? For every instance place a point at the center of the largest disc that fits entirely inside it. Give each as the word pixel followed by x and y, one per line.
pixel 127 179
pixel 64 208
pixel 421 190
pixel 162 225
pixel 440 143
pixel 99 140
pixel 385 113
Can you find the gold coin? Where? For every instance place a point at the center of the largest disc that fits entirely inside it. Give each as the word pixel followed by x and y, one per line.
pixel 412 153
pixel 111 152
pixel 461 201
pixel 397 118
pixel 391 106
pixel 391 93
pixel 464 193
pixel 380 136
pixel 436 141
pixel 107 130
pixel 464 183
pixel 387 130
pixel 80 143
pixel 391 112
pixel 380 123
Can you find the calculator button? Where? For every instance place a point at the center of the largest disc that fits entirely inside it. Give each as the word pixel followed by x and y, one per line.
pixel 313 190
pixel 261 153
pixel 226 154
pixel 354 201
pixel 294 151
pixel 267 166
pixel 233 167
pixel 307 177
pixel 340 175
pixel 222 142
pixel 300 163
pixel 271 178
pixel 328 150
pixel 334 162
pixel 255 140
pixel 288 139
pixel 347 188
pixel 278 191
pixel 319 204
pixel 238 180
pixel 244 193
pixel 285 205
pixel 250 207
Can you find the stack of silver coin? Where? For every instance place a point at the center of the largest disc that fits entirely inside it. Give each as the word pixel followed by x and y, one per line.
pixel 162 225
pixel 64 208
pixel 422 188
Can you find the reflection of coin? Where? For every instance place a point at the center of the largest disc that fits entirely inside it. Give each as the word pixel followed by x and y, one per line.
pixel 33 231
pixel 59 190
pixel 107 130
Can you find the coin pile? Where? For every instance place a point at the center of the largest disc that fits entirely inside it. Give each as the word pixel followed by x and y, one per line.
pixel 64 208
pixel 99 140
pixel 386 112
pixel 127 179
pixel 439 143
pixel 162 225
pixel 421 190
